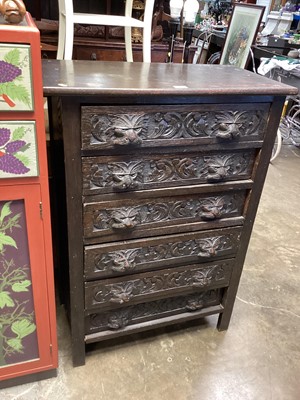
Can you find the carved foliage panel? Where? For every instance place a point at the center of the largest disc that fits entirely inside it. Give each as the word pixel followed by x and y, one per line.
pixel 163 283
pixel 101 262
pixel 119 319
pixel 110 127
pixel 100 219
pixel 161 171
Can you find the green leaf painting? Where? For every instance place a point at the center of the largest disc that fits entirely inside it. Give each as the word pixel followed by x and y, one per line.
pixel 15 344
pixel 16 92
pixel 17 322
pixel 5 212
pixel 18 133
pixel 21 286
pixel 6 240
pixel 6 300
pixel 23 328
pixel 13 57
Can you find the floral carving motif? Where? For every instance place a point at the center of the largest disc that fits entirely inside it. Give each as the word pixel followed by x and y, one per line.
pixel 133 128
pixel 119 129
pixel 117 261
pixel 208 208
pixel 121 293
pixel 200 276
pixel 206 276
pixel 142 173
pixel 222 166
pixel 114 320
pixel 130 259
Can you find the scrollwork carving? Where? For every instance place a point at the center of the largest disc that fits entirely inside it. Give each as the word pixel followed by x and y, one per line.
pixel 208 208
pixel 222 166
pixel 119 319
pixel 121 293
pixel 161 281
pixel 131 259
pixel 133 128
pixel 117 261
pixel 137 174
pixel 206 276
pixel 119 129
pixel 126 175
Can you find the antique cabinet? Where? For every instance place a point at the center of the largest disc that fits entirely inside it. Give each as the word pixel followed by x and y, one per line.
pixel 28 349
pixel 164 168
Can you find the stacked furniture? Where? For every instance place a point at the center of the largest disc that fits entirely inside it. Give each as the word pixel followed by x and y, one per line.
pixel 164 167
pixel 28 348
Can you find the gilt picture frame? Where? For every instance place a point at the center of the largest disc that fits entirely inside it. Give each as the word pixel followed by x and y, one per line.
pixel 241 34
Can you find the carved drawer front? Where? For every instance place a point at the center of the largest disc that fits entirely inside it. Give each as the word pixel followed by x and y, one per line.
pixel 130 218
pixel 156 126
pixel 152 253
pixel 111 293
pixel 110 174
pixel 139 314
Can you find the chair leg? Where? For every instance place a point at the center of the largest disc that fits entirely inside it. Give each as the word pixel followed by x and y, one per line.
pixel 147 43
pixel 61 37
pixel 128 44
pixel 147 31
pixel 69 38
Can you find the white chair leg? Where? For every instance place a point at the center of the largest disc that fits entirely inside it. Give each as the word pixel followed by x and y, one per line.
pixel 128 44
pixel 147 31
pixel 61 37
pixel 69 38
pixel 147 43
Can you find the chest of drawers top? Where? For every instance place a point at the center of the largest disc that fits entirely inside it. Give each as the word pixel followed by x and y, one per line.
pixel 68 78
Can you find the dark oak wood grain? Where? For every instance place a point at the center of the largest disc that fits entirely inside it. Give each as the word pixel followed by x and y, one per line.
pixel 164 168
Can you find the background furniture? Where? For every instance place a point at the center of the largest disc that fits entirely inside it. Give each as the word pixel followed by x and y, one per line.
pixel 67 19
pixel 28 348
pixel 164 168
pixel 93 42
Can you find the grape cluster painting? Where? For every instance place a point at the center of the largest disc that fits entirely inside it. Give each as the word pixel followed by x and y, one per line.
pixel 15 78
pixel 18 152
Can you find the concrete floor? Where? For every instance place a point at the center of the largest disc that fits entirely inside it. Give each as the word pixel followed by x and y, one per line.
pixel 258 358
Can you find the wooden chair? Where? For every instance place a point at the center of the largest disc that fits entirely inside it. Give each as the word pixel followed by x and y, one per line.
pixel 67 19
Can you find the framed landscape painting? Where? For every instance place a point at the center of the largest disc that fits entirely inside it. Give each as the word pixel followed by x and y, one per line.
pixel 241 34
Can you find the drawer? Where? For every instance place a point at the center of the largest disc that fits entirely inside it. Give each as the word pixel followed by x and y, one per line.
pixel 135 256
pixel 157 126
pixel 133 218
pixel 110 174
pixel 138 288
pixel 140 314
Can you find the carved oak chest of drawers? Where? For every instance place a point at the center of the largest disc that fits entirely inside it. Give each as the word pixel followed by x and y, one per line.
pixel 164 167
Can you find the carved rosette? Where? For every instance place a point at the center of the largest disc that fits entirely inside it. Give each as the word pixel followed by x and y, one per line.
pixel 161 281
pixel 132 259
pixel 127 218
pixel 119 319
pixel 134 128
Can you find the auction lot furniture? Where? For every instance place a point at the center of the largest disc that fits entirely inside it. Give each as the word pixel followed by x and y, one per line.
pixel 164 168
pixel 28 348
